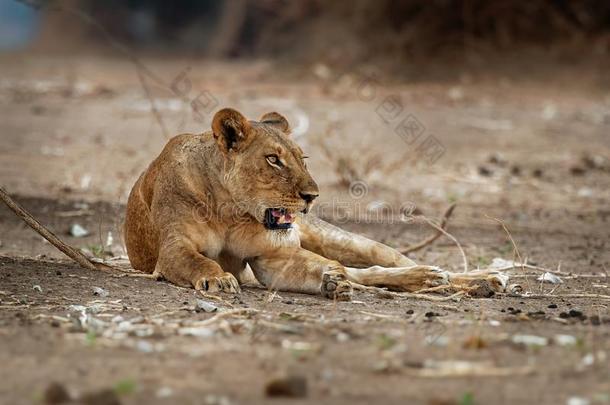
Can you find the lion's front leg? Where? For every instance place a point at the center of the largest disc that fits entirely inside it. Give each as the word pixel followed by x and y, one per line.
pixel 412 278
pixel 299 270
pixel 181 263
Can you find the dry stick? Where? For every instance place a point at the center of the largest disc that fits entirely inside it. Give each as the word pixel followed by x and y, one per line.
pixel 363 287
pixel 447 234
pixel 432 238
pixel 225 314
pixel 543 270
pixel 68 250
pixel 516 249
pixel 583 295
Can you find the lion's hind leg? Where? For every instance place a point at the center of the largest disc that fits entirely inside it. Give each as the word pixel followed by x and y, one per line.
pixel 422 277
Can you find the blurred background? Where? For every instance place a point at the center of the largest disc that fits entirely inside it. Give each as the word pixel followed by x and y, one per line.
pixel 412 102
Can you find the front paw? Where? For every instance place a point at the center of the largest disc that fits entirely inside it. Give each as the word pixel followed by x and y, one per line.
pixel 335 286
pixel 225 283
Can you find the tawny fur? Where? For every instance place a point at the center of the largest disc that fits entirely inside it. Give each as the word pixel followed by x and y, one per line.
pixel 195 218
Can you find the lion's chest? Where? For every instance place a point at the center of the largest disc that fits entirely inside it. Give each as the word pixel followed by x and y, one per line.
pixel 254 240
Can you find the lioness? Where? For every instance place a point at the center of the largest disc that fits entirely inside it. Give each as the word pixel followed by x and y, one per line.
pixel 211 203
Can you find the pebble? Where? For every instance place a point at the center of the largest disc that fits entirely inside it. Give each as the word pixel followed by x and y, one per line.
pixel 484 171
pixel 431 314
pixel 565 340
pixel 595 320
pixel 577 401
pixel 205 306
pixel 164 392
pixel 55 393
pixel 100 292
pixel 103 397
pixel 37 288
pixel 291 386
pixel 78 231
pixel 530 340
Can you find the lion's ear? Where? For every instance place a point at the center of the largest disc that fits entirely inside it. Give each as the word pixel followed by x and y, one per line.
pixel 230 128
pixel 277 120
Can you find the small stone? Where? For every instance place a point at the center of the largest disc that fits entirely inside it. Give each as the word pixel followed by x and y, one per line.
pixel 56 393
pixel 484 171
pixel 100 292
pixel 58 273
pixel 37 288
pixel 577 401
pixel 552 306
pixel 204 306
pixel 78 231
pixel 145 346
pixel 530 340
pixel 564 315
pixel 550 278
pixel 410 312
pixel 565 340
pixel 104 397
pixel 575 313
pixel 515 170
pixel 536 314
pixel 577 170
pixel 164 392
pixel 291 386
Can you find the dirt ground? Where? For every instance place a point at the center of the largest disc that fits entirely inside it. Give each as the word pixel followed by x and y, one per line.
pixel 78 130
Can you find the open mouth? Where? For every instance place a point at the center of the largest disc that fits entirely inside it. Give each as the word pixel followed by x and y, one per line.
pixel 278 218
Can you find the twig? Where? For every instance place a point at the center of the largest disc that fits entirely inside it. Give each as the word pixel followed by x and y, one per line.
pixel 434 289
pixel 137 274
pixel 516 249
pixel 475 371
pixel 215 298
pixel 68 250
pixel 447 234
pixel 432 238
pixel 378 290
pixel 223 315
pixel 383 316
pixel 540 269
pixel 583 295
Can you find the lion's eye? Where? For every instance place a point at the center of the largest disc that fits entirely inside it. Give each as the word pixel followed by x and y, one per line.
pixel 274 160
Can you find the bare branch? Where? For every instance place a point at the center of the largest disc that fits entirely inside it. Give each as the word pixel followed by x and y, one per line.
pixel 432 238
pixel 68 250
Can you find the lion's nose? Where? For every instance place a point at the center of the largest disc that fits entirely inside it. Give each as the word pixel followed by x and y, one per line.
pixel 309 196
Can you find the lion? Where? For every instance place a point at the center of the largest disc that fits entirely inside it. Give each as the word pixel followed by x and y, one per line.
pixel 241 194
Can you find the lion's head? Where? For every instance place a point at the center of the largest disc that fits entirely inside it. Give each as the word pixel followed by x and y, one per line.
pixel 265 170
